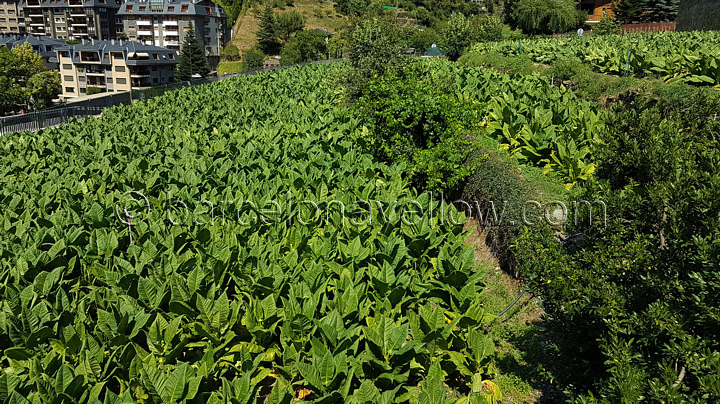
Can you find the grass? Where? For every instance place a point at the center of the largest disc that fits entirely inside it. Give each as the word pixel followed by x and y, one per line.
pixel 318 14
pixel 519 354
pixel 229 67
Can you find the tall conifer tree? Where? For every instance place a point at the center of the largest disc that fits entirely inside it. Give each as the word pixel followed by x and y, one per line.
pixel 192 58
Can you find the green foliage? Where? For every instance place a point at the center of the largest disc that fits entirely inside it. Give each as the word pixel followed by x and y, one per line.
pixel 375 48
pixel 488 28
pixel 93 90
pixel 267 37
pixel 287 24
pixel 634 11
pixel 305 46
pixel 230 53
pixel 457 36
pixel 547 16
pixel 253 59
pixel 25 81
pixel 220 307
pixel 423 39
pixel 639 296
pixel 192 58
pixel 606 26
pixel 690 57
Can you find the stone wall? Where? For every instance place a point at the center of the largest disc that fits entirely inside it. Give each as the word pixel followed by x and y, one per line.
pixel 699 15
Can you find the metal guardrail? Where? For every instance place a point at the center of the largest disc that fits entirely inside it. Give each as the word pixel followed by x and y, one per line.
pixel 34 121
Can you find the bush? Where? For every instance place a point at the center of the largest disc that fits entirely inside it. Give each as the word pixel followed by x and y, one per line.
pixel 489 28
pixel 93 90
pixel 606 26
pixel 253 59
pixel 568 68
pixel 640 296
pixel 305 46
pixel 458 36
pixel 230 53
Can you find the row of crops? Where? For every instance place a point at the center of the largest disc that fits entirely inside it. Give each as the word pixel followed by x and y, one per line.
pixel 164 252
pixel 692 57
pixel 109 296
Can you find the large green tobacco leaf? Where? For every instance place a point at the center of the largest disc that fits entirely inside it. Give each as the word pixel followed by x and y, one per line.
pixel 112 291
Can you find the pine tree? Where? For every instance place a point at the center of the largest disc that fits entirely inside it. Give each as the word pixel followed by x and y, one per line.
pixel 628 11
pixel 663 10
pixel 192 58
pixel 267 37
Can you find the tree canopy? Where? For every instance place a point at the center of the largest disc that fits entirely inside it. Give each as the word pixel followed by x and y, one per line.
pixel 24 80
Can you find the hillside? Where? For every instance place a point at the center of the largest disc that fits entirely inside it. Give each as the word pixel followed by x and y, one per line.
pixel 318 14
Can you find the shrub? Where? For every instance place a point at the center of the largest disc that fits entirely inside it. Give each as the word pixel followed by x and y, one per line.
pixel 489 28
pixel 606 26
pixel 640 298
pixel 253 59
pixel 93 90
pixel 567 68
pixel 230 53
pixel 457 36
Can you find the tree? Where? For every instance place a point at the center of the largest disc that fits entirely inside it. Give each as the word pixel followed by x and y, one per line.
pixel 662 10
pixel 628 11
pixel 253 59
pixel 458 34
pixel 24 80
pixel 421 40
pixel 305 46
pixel 42 88
pixel 288 24
pixel 488 28
pixel 267 37
pixel 351 7
pixel 547 16
pixel 230 52
pixel 375 49
pixel 606 26
pixel 192 58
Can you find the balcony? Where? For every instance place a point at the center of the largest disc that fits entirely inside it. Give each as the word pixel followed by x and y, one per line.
pixel 37 25
pixel 170 23
pixel 95 73
pixel 172 43
pixel 143 22
pixel 139 75
pixel 77 14
pixel 144 32
pixel 36 15
pixel 170 33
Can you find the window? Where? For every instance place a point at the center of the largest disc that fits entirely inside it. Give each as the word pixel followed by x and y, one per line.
pixel 142 8
pixel 172 56
pixel 70 89
pixel 109 80
pixel 155 56
pixel 82 91
pixel 68 78
pixel 155 80
pixel 118 21
pixel 128 9
pixel 2 20
pixel 120 69
pixel 171 9
pixel 120 80
pixel 184 8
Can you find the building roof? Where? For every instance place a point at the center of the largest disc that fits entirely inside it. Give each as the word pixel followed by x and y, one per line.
pixel 66 3
pixel 203 8
pixel 43 45
pixel 434 51
pixel 135 53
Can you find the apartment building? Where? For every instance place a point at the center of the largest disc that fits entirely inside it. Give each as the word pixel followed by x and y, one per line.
pixel 166 22
pixel 11 18
pixel 113 66
pixel 46 47
pixel 72 19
